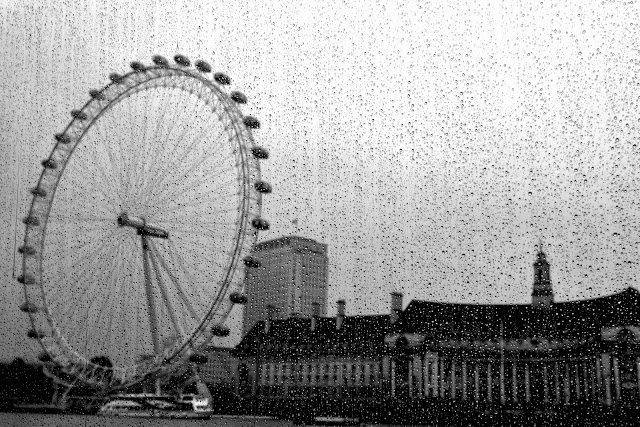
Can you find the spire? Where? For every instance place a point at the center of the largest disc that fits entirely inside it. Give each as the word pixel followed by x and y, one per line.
pixel 542 295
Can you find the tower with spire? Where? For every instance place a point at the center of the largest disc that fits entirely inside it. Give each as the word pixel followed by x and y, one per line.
pixel 542 295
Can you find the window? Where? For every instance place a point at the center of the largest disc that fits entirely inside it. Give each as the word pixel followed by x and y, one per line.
pixel 346 376
pixel 372 373
pixel 354 377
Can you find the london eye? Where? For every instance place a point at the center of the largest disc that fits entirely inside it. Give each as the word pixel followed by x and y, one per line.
pixel 144 213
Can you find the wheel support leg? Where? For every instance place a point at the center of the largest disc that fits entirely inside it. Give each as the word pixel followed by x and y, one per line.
pixel 151 306
pixel 153 254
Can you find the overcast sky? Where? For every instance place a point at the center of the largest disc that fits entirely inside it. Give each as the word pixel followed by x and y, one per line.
pixel 429 144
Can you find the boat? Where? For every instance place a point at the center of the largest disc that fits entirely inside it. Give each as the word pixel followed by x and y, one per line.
pixel 337 421
pixel 198 403
pixel 154 406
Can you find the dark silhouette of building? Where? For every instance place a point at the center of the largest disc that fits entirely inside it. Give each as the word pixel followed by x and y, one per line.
pixel 333 360
pixel 433 358
pixel 543 353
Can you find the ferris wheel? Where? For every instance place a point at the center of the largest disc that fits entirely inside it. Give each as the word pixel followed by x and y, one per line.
pixel 145 211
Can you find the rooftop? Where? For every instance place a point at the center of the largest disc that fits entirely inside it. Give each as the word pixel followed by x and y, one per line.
pixel 291 241
pixel 357 334
pixel 561 320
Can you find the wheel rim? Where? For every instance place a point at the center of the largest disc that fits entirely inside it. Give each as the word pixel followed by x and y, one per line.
pixel 184 142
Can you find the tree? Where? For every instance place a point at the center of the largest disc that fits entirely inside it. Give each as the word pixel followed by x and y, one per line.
pixel 24 382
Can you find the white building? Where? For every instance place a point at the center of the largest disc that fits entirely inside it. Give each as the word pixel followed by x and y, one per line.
pixel 292 276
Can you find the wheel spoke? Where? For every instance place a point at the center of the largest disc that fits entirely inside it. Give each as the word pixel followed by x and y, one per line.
pixel 161 181
pixel 182 189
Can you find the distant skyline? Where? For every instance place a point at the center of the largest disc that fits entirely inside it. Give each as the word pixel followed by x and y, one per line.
pixel 430 146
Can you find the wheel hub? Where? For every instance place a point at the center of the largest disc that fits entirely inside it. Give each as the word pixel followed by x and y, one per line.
pixel 140 224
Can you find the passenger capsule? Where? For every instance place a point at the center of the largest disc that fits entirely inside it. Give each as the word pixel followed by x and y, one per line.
pixel 80 115
pixel 115 77
pixel 160 61
pixel 32 333
pixel 31 220
pixel 137 66
pixel 222 78
pixel 26 250
pixel 260 224
pixel 251 262
pixel 62 138
pixel 220 331
pixel 96 94
pixel 203 66
pixel 50 164
pixel 239 97
pixel 238 298
pixel 263 187
pixel 26 279
pixel 260 153
pixel 251 122
pixel 182 60
pixel 37 191
pixel 28 307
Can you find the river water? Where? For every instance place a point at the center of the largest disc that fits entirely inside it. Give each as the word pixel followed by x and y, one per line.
pixel 55 420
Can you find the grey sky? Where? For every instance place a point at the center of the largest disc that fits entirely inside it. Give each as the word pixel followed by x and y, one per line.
pixel 430 145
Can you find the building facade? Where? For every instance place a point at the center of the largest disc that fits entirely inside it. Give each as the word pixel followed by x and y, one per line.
pixel 543 354
pixel 293 274
pixel 327 361
pixel 219 368
pixel 435 359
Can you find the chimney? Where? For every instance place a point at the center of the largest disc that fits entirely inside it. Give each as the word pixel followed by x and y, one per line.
pixel 340 316
pixel 396 306
pixel 315 313
pixel 271 313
